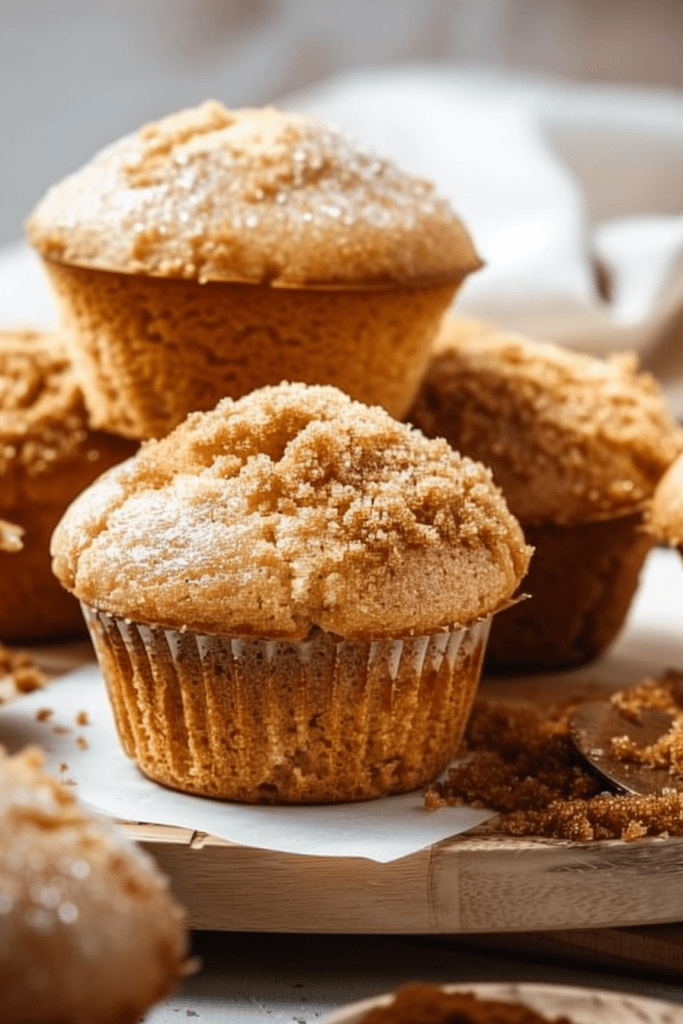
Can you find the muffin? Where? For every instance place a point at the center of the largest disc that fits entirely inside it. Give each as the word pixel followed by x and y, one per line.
pixel 89 933
pixel 664 518
pixel 216 251
pixel 306 618
pixel 47 456
pixel 577 445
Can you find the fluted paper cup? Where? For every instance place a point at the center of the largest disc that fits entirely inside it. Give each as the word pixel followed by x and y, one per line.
pixel 321 720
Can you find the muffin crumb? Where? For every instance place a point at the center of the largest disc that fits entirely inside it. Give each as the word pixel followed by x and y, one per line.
pixel 18 673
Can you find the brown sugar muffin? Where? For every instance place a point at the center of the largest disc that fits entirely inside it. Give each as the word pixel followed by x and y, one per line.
pixel 47 456
pixel 577 445
pixel 665 513
pixel 89 933
pixel 218 250
pixel 306 620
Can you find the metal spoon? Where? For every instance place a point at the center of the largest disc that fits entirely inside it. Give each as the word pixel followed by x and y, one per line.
pixel 592 727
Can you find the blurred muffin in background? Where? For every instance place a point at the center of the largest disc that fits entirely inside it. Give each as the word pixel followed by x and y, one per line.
pixel 578 445
pixel 89 933
pixel 47 456
pixel 216 251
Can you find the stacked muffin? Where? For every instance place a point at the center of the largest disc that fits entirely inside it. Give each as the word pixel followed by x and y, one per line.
pixel 48 454
pixel 217 251
pixel 577 445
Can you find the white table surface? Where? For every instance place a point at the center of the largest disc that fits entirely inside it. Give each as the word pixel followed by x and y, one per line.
pixel 300 978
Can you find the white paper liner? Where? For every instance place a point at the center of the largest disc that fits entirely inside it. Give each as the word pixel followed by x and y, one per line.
pixel 321 720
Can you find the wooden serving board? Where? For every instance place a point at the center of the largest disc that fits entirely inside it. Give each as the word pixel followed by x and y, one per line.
pixel 563 897
pixel 473 884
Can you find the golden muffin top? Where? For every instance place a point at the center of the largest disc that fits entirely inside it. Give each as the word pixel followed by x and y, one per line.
pixel 570 438
pixel 86 915
pixel 255 195
pixel 47 451
pixel 664 517
pixel 290 508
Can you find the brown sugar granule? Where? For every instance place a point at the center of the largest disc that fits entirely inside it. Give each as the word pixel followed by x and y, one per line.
pixel 521 762
pixel 428 1004
pixel 44 714
pixel 81 743
pixel 82 718
pixel 19 671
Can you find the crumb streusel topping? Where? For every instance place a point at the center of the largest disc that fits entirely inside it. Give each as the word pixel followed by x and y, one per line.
pixel 43 422
pixel 569 437
pixel 290 508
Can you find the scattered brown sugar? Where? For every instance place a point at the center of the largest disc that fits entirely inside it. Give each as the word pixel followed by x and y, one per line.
pixel 521 762
pixel 82 718
pixel 665 694
pixel 44 714
pixel 429 1004
pixel 18 673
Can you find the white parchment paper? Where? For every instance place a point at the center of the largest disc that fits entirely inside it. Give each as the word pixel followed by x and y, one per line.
pixel 90 756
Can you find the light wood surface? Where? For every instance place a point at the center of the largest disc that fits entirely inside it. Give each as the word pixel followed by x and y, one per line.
pixel 472 884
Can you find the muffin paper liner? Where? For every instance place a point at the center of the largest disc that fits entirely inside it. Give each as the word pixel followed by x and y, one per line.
pixel 270 721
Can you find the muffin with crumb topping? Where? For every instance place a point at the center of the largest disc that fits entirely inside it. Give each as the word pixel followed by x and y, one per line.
pixel 290 596
pixel 577 445
pixel 48 454
pixel 216 251
pixel 89 931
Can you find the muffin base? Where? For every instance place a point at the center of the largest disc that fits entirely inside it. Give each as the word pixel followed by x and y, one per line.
pixel 322 720
pixel 581 580
pixel 150 350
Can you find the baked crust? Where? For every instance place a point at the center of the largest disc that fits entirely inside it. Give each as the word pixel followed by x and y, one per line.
pixel 570 438
pixel 253 195
pixel 290 508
